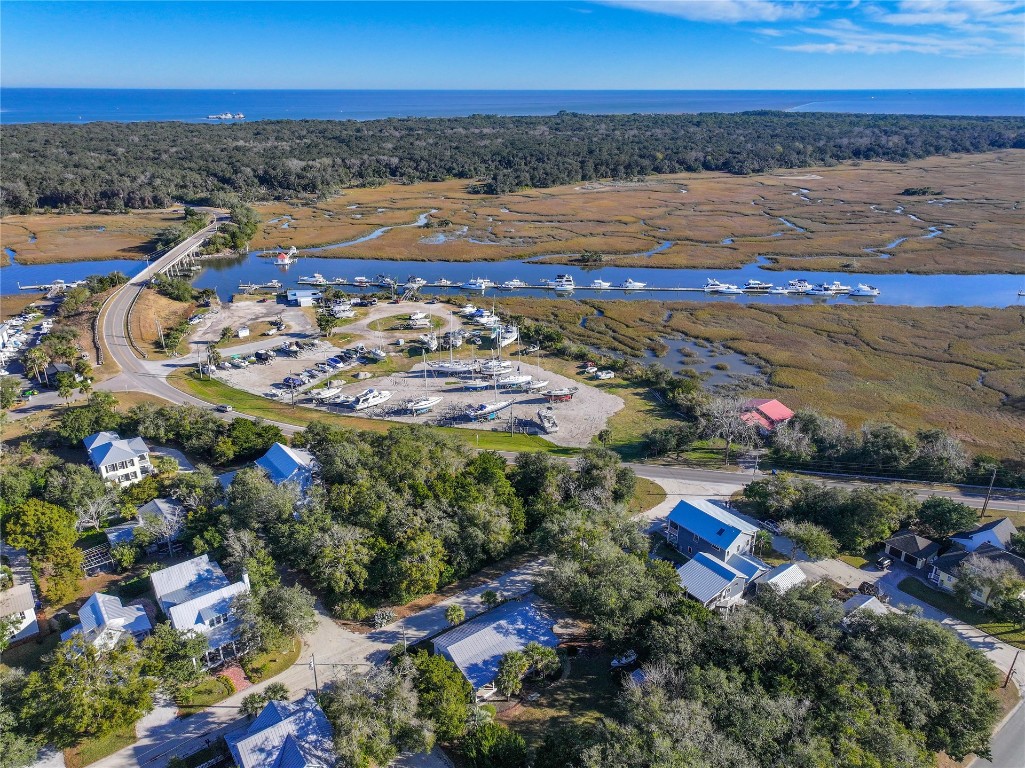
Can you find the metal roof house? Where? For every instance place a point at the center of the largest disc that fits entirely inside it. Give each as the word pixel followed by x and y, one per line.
pixel 105 622
pixel 301 297
pixel 915 550
pixel 288 465
pixel 711 582
pixel 168 515
pixel 782 578
pixel 765 414
pixel 118 461
pixel 19 604
pixel 477 646
pixel 285 735
pixel 696 525
pixel 997 533
pixel 197 595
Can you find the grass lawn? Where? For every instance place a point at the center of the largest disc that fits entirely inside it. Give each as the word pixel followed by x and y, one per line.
pixel 256 329
pixel 214 391
pixel 854 560
pixel 772 557
pixel 91 750
pixel 647 495
pixel 587 693
pixel 29 656
pixel 208 692
pixel 267 665
pixel 1002 630
pixel 398 323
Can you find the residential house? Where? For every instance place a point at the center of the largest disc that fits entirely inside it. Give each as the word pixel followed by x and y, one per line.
pixel 917 551
pixel 946 569
pixel 478 645
pixel 300 297
pixel 197 595
pixel 288 465
pixel 105 622
pixel 118 461
pixel 696 525
pixel 18 605
pixel 863 605
pixel 997 533
pixel 166 516
pixel 285 735
pixel 53 370
pixel 782 578
pixel 711 582
pixel 764 414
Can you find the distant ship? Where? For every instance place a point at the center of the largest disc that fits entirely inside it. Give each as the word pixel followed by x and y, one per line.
pixel 227 116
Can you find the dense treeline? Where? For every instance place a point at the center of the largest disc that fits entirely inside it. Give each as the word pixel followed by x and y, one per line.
pixel 144 165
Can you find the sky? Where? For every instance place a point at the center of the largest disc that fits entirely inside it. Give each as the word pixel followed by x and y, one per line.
pixel 611 44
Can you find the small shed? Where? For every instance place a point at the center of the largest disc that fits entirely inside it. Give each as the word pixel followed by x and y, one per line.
pixel 782 578
pixel 917 551
pixel 243 331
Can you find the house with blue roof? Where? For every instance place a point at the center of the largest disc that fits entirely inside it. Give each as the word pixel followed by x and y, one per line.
pixel 285 735
pixel 105 622
pixel 196 595
pixel 696 525
pixel 116 460
pixel 288 465
pixel 477 646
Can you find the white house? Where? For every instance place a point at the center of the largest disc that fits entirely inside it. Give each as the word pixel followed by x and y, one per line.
pixel 197 595
pixel 118 461
pixel 105 622
pixel 286 735
pixel 996 533
pixel 17 603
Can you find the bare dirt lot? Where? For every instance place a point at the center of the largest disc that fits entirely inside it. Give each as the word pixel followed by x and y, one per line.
pixel 846 217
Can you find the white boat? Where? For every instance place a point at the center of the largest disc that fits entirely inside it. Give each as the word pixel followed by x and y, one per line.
pixel 780 291
pixel 604 375
pixel 512 285
pixel 416 325
pixel 369 398
pixel 495 367
pixel 478 284
pixel 546 417
pixel 591 370
pixel 730 290
pixel 839 287
pixel 600 285
pixel 378 354
pixel 865 290
pixel 711 284
pixel 487 411
pixel 632 285
pixel 562 283
pixel 343 314
pixel 452 340
pixel 315 279
pixel 453 367
pixel 468 310
pixel 325 394
pixel 514 380
pixel 423 405
pixel 757 285
pixel 561 395
pixel 799 286
pixel 361 281
pixel 429 341
pixel 821 290
pixel 505 335
pixel 413 283
pixel 476 385
pixel 418 316
pixel 441 281
pixel 536 386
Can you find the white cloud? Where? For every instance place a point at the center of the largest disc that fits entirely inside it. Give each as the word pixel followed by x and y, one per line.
pixel 844 36
pixel 723 11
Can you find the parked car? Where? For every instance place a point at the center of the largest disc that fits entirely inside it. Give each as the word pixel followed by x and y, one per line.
pixel 884 561
pixel 772 526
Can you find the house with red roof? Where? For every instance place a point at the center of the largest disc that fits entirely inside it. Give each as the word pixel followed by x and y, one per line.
pixel 765 414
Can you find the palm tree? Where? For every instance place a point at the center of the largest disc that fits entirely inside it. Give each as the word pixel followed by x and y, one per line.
pixel 37 359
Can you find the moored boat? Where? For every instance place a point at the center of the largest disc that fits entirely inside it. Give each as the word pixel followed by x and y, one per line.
pixel 757 285
pixel 865 290
pixel 632 285
pixel 478 284
pixel 600 285
pixel 562 283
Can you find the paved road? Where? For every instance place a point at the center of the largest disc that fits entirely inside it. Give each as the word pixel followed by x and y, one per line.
pixel 1008 744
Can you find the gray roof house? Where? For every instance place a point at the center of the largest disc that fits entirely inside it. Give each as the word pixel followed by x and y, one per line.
pixel 696 525
pixel 197 595
pixel 996 532
pixel 105 622
pixel 477 646
pixel 946 570
pixel 285 735
pixel 19 604
pixel 864 604
pixel 119 461
pixel 711 582
pixel 917 551
pixel 169 516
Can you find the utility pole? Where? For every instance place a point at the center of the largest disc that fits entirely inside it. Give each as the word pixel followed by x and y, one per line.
pixel 160 332
pixel 313 668
pixel 1011 670
pixel 989 492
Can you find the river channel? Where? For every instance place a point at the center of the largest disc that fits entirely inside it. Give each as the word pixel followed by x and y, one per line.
pixel 225 276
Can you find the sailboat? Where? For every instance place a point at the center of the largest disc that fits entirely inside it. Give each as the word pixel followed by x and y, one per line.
pixel 452 366
pixel 422 405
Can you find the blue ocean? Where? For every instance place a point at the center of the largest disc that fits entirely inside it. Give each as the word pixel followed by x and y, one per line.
pixel 76 105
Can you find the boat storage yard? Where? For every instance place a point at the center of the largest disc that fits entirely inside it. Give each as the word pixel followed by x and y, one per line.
pixel 579 419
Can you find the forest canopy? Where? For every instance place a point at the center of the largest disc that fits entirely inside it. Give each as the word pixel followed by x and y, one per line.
pixel 146 165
